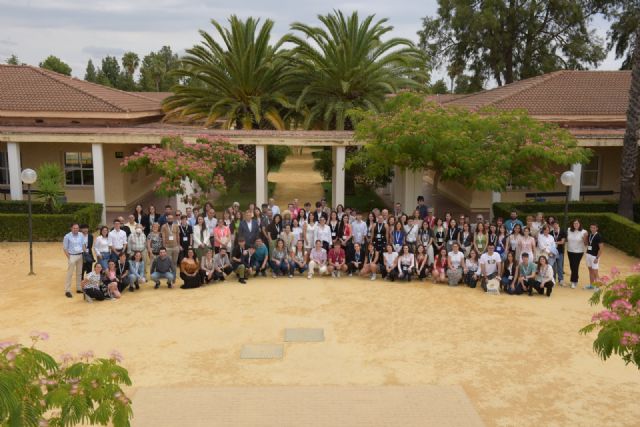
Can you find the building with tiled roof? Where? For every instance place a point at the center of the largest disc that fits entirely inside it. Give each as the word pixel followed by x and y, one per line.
pixel 88 129
pixel 35 96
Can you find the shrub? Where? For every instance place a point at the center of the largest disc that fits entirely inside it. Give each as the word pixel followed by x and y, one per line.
pixel 14 225
pixel 619 324
pixel 36 390
pixel 557 208
pixel 50 185
pixel 276 155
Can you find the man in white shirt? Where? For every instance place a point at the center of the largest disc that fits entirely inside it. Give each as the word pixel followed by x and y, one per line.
pixel 275 209
pixel 323 233
pixel 359 229
pixel 490 265
pixel 117 241
pixel 456 258
pixel 211 222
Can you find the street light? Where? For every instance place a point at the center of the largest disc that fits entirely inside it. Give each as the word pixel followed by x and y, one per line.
pixel 29 176
pixel 568 178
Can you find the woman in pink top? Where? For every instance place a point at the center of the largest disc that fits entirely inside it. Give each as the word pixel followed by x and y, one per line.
pixel 222 236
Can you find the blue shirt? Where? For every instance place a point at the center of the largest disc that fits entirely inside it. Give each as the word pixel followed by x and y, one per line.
pixel 510 223
pixel 73 244
pixel 261 253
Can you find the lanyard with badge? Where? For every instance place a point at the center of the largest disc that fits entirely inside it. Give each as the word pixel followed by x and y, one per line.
pixel 380 227
pixel 593 236
pixel 185 236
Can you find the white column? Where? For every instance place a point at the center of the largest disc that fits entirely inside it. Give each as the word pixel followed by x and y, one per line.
pixel 412 189
pixel 337 185
pixel 15 169
pixel 574 192
pixel 99 193
pixel 262 186
pixel 188 192
pixel 496 197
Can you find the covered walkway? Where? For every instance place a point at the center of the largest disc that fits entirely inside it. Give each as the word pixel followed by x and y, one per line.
pixel 296 179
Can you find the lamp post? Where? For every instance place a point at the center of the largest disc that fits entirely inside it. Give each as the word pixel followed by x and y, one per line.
pixel 29 176
pixel 567 179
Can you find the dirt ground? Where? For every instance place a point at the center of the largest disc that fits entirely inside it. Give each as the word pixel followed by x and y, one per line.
pixel 520 359
pixel 297 179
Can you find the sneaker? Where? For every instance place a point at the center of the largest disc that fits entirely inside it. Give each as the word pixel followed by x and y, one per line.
pixel 87 298
pixel 561 283
pixel 308 276
pixel 243 282
pixel 373 277
pixel 170 285
pixel 350 274
pixel 573 285
pixel 588 287
pixel 157 285
pixel 274 275
pixel 290 276
pixel 137 285
pixel 130 288
pixel 68 294
pixel 338 274
pixel 79 291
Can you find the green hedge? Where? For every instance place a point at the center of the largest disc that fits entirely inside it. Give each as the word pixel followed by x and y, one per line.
pixel 556 208
pixel 616 230
pixel 14 223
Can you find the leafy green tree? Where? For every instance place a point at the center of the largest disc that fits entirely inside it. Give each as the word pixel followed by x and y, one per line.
pixel 13 60
pixel 346 63
pixel 37 390
pixel 50 185
pixel 243 80
pixel 468 84
pixel 54 63
pixel 625 20
pixel 509 40
pixel 485 150
pixel 91 75
pixel 439 87
pixel 156 70
pixel 109 71
pixel 130 62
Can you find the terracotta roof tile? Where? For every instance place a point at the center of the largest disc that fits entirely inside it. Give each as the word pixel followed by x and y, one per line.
pixel 27 88
pixel 562 93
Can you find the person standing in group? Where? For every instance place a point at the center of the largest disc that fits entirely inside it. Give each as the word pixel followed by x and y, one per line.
pixel 594 252
pixel 73 247
pixel 323 233
pixel 137 242
pixel 576 245
pixel 309 231
pixel 480 238
pixel 162 219
pixel 201 240
pixel 379 234
pixel 317 259
pixel 185 236
pixel 527 244
pixel 211 222
pixel 422 207
pixel 148 219
pixel 249 229
pixel 170 234
pixel 512 222
pixel 101 247
pixel 117 240
pixel 560 237
pixel 87 255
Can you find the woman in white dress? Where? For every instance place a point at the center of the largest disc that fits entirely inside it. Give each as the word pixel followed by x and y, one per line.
pixel 296 229
pixel 310 232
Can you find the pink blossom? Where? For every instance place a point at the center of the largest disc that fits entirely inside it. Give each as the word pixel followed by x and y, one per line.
pixel 606 316
pixel 66 358
pixel 636 268
pixel 605 279
pixel 116 355
pixel 87 355
pixel 615 271
pixel 630 339
pixel 37 335
pixel 6 344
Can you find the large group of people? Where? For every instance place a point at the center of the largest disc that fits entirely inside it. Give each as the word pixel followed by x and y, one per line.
pixel 200 246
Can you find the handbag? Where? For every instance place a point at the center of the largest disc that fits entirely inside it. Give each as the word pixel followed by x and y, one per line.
pixel 87 257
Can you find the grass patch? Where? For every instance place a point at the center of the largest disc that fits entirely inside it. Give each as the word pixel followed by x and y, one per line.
pixel 235 194
pixel 364 199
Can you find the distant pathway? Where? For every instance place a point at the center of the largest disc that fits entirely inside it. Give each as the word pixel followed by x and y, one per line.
pixel 297 179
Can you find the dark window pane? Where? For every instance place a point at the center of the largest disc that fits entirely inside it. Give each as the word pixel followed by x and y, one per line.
pixel 74 177
pixel 87 176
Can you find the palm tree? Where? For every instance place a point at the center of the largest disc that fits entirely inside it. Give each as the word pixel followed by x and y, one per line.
pixel 244 81
pixel 130 62
pixel 628 170
pixel 347 65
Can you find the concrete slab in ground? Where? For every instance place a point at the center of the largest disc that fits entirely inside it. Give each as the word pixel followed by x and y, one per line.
pixel 410 406
pixel 303 335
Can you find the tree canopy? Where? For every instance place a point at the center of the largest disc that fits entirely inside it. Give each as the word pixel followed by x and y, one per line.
pixel 510 40
pixel 625 19
pixel 346 63
pixel 485 150
pixel 244 80
pixel 54 63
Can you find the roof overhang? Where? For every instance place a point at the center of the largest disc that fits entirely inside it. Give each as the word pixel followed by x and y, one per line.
pixel 79 115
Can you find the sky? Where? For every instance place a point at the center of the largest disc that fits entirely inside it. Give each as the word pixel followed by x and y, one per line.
pixel 79 30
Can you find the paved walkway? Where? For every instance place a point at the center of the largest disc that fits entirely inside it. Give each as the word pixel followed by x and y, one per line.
pixel 410 406
pixel 297 179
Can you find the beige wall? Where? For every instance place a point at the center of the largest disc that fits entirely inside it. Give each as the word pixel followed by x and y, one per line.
pixel 481 200
pixel 123 190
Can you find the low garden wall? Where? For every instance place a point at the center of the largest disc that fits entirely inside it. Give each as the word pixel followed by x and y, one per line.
pixel 14 222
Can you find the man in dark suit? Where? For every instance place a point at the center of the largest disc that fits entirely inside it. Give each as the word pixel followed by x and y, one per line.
pixel 249 229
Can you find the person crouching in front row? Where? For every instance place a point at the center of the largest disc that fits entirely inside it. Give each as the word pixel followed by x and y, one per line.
pixel 221 264
pixel 95 288
pixel 162 268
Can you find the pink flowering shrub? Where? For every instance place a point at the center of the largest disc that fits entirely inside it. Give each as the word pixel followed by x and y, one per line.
pixel 206 162
pixel 37 390
pixel 618 325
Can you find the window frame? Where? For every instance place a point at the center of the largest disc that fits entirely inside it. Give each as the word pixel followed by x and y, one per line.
pixel 598 172
pixel 80 167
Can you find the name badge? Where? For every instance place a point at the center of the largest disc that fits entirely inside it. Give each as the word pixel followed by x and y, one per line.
pixel 440 240
pixel 170 237
pixel 588 248
pixel 185 239
pixel 333 234
pixel 510 277
pixel 378 236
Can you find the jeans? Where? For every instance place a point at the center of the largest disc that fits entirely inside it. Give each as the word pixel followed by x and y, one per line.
pixel 279 267
pixel 540 287
pixel 294 266
pixel 134 278
pixel 574 264
pixel 558 267
pixel 469 280
pixel 156 276
pixel 104 260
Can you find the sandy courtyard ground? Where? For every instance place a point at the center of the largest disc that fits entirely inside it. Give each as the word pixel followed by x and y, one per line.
pixel 520 360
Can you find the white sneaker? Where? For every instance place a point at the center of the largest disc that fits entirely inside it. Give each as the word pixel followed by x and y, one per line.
pixel 561 283
pixel 309 276
pixel 373 277
pixel 337 274
pixel 87 298
pixel 350 274
pixel 573 285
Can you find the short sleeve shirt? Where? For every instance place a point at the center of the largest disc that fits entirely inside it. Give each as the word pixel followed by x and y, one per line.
pixel 593 244
pixel 490 262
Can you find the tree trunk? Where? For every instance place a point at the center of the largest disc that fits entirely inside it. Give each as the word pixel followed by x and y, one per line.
pixel 628 174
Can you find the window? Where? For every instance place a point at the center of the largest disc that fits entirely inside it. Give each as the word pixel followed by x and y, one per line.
pixel 78 168
pixel 591 173
pixel 4 168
